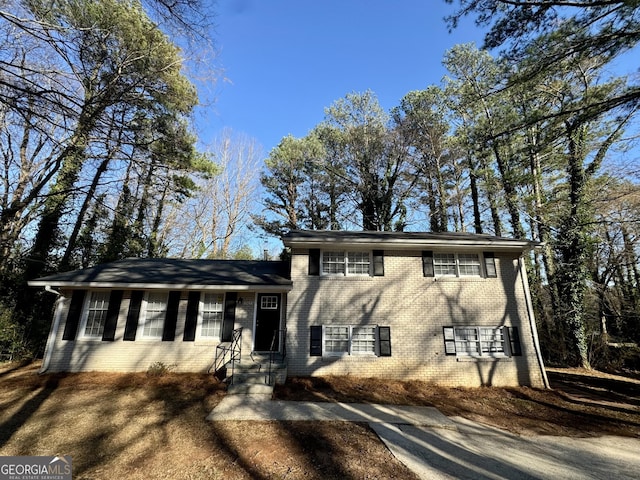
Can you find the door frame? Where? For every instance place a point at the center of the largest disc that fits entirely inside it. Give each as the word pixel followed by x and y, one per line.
pixel 255 318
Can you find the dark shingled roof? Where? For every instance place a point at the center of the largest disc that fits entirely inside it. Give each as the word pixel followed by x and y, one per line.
pixel 175 273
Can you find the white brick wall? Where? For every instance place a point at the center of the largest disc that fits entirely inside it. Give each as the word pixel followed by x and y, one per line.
pixel 416 308
pixel 118 355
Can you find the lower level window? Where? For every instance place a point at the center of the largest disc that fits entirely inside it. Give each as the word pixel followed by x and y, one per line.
pixel 211 310
pixel 349 340
pixel 479 341
pixel 155 311
pixel 96 314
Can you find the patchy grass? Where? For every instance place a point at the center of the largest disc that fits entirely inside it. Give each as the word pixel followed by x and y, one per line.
pixel 138 426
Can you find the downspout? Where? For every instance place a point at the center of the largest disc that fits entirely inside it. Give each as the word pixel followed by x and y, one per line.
pixel 532 320
pixel 53 332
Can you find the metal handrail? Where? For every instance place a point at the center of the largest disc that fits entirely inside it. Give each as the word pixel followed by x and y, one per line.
pixel 234 348
pixel 282 349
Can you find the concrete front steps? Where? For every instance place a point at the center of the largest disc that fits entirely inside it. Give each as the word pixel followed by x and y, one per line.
pixel 251 375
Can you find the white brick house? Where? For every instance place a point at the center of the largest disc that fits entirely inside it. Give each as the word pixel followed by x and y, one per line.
pixel 451 308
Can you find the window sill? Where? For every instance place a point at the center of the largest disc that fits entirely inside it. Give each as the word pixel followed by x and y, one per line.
pixel 346 278
pixel 484 359
pixel 89 339
pixel 207 342
pixel 459 279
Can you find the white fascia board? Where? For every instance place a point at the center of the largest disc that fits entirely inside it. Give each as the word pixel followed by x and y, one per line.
pixel 462 244
pixel 161 286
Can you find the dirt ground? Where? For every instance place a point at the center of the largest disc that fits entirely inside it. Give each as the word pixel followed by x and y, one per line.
pixel 140 427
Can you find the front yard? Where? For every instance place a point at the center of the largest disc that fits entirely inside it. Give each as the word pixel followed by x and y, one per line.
pixel 137 426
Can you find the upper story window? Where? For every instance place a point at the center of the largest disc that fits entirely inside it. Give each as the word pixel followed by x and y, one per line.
pixel 456 264
pixel 452 264
pixel 346 263
pixel 95 314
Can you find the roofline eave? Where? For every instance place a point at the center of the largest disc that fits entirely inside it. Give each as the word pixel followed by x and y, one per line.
pixel 397 244
pixel 161 286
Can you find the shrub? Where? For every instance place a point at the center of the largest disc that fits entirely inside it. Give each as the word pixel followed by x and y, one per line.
pixel 158 369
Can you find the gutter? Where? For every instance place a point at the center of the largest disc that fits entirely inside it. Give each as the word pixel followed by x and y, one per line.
pixel 53 332
pixel 532 321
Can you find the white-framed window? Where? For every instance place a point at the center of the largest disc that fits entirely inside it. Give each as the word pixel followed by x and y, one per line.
pixel 456 264
pixel 211 312
pixel 269 302
pixel 346 263
pixel 340 340
pixel 477 341
pixel 154 313
pixel 95 314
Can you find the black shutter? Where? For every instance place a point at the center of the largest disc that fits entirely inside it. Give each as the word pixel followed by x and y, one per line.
pixel 514 341
pixel 378 263
pixel 315 347
pixel 191 322
pixel 427 264
pixel 490 264
pixel 449 340
pixel 113 312
pixel 131 326
pixel 384 338
pixel 314 261
pixel 171 318
pixel 73 317
pixel 229 319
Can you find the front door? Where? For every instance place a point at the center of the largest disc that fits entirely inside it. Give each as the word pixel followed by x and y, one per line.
pixel 268 322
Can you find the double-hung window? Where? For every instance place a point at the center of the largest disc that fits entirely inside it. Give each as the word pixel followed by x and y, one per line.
pixel 473 341
pixel 456 264
pixel 349 340
pixel 211 311
pixel 346 263
pixel 155 311
pixel 95 314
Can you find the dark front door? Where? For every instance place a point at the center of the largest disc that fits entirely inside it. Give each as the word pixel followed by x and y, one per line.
pixel 268 322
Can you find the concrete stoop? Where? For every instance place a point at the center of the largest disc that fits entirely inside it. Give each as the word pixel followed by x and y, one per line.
pixel 251 376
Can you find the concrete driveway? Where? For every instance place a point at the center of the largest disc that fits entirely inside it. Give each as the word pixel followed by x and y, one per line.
pixel 472 451
pixel 439 447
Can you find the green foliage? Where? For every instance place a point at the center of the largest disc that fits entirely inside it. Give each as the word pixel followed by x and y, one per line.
pixel 13 342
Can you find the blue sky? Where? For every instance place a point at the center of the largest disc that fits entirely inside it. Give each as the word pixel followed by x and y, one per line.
pixel 287 60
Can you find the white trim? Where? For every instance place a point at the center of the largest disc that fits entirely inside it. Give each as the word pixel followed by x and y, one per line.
pixel 53 333
pixel 532 321
pixel 199 336
pixel 256 307
pixel 349 352
pixel 142 320
pixel 161 286
pixel 84 316
pixel 345 253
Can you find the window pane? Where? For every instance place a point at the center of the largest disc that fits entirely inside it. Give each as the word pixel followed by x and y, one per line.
pixel 154 314
pixel 358 262
pixel 336 339
pixel 363 340
pixel 469 264
pixel 269 302
pixel 212 308
pixel 333 262
pixel 444 263
pixel 97 314
pixel 467 340
pixel 491 340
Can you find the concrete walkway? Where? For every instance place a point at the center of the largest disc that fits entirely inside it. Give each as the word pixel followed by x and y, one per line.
pixel 438 447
